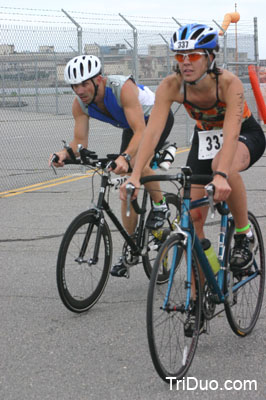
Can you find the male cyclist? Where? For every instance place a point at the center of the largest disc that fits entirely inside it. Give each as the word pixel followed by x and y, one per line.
pixel 227 138
pixel 119 101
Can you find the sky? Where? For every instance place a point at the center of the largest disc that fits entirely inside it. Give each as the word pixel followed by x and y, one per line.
pixel 194 9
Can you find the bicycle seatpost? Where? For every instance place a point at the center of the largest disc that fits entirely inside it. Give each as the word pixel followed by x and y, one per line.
pixel 210 192
pixel 130 188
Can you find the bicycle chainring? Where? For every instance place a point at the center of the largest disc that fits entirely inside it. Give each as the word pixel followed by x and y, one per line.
pixel 208 303
pixel 127 257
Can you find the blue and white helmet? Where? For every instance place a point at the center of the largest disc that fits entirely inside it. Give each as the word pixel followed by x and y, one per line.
pixel 194 36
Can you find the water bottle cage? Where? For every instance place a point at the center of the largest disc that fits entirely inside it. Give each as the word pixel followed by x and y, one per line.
pixel 166 156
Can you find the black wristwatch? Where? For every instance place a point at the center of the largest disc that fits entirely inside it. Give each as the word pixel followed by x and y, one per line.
pixel 126 156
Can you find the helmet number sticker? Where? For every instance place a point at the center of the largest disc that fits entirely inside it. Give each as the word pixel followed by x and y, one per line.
pixel 182 44
pixel 210 143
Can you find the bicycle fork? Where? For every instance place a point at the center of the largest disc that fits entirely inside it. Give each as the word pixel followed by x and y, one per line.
pixel 94 259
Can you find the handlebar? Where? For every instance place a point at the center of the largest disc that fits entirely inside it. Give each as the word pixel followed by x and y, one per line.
pixel 87 157
pixel 182 178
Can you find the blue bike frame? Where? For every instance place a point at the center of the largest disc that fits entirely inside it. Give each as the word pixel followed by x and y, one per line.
pixel 192 241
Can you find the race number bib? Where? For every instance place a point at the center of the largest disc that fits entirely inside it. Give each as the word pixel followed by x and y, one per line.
pixel 210 142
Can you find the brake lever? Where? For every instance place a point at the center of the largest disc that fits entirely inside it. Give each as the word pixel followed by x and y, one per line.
pixel 111 164
pixel 69 150
pixel 54 158
pixel 130 188
pixel 210 192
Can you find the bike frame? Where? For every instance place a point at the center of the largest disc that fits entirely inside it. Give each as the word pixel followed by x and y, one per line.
pixel 191 240
pixel 102 206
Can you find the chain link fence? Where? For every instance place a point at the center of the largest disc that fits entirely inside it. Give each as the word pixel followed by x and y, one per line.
pixel 35 103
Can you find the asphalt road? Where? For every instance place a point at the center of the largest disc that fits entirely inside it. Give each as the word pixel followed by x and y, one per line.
pixel 47 352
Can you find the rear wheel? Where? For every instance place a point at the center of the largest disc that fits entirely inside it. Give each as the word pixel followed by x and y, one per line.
pixel 244 305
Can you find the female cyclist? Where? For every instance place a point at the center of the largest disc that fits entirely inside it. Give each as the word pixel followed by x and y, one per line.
pixel 227 138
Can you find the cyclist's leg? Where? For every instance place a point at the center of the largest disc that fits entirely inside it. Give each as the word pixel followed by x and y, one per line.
pixel 237 201
pixel 130 222
pixel 198 215
pixel 202 167
pixel 250 148
pixel 160 209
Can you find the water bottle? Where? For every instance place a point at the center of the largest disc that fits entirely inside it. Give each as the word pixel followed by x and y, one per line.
pixel 168 157
pixel 161 234
pixel 211 255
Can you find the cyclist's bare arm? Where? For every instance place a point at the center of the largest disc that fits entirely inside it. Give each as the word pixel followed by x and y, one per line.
pixel 134 114
pixel 81 129
pixel 151 135
pixel 135 118
pixel 229 158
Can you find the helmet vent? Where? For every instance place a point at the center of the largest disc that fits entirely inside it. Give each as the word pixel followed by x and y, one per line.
pixel 207 39
pixel 89 66
pixel 75 73
pixel 81 69
pixel 197 34
pixel 184 34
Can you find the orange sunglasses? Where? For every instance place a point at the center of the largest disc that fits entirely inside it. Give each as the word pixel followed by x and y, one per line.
pixel 195 56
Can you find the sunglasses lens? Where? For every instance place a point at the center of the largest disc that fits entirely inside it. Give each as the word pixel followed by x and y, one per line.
pixel 191 57
pixel 179 57
pixel 194 57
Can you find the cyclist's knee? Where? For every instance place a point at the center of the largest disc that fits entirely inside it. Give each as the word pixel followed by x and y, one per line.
pixel 147 170
pixel 198 218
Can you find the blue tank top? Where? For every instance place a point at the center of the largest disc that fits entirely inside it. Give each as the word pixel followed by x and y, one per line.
pixel 112 102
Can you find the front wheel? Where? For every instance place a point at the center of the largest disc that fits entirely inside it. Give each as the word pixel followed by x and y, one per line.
pixel 173 313
pixel 153 239
pixel 244 304
pixel 82 273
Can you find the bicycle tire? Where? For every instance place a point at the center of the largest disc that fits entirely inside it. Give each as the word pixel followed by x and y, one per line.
pixel 243 309
pixel 81 283
pixel 151 241
pixel 171 350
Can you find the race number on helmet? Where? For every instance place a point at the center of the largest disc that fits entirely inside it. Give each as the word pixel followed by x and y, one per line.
pixel 194 36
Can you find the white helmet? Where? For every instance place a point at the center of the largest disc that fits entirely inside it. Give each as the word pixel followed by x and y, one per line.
pixel 81 68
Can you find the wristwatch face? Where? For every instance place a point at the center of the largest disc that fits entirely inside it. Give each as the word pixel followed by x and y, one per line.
pixel 126 156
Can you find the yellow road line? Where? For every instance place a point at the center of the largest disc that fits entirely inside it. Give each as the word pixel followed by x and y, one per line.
pixel 56 181
pixel 43 185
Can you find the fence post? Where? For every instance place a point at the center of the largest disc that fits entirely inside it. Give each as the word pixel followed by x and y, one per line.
pixel 36 85
pixel 135 51
pixel 256 47
pixel 167 53
pixel 79 31
pixel 225 43
pixel 19 84
pixel 178 23
pixel 101 56
pixel 56 87
pixel 3 86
